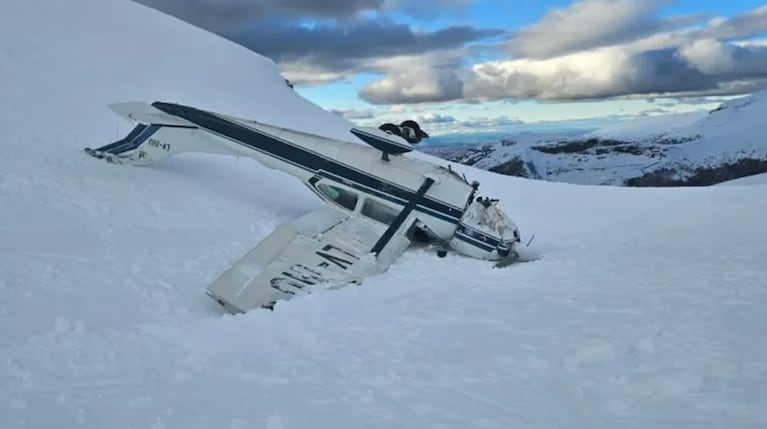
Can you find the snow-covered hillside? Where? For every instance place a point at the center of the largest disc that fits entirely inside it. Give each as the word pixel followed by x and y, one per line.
pixel 756 179
pixel 646 311
pixel 698 148
pixel 62 62
pixel 647 127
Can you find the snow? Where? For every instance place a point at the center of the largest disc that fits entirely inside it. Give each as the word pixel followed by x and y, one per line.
pixel 647 127
pixel 683 144
pixel 645 311
pixel 756 179
pixel 53 51
pixel 734 126
pixel 733 129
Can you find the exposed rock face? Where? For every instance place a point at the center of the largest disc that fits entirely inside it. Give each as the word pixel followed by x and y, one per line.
pixel 515 167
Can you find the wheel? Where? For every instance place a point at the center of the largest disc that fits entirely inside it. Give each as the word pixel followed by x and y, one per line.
pixel 391 129
pixel 441 253
pixel 418 133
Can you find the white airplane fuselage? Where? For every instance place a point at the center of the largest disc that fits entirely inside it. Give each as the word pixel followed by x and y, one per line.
pixel 352 177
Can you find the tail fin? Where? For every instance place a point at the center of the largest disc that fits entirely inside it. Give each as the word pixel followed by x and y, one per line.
pixel 157 135
pixel 132 141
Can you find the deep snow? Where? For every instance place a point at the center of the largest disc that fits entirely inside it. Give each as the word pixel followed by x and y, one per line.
pixel 646 311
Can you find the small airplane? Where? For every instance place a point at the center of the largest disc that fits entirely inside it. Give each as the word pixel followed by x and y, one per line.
pixel 379 200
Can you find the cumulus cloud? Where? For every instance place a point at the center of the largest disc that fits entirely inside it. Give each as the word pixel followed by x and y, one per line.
pixel 317 42
pixel 742 25
pixel 221 16
pixel 486 122
pixel 606 72
pixel 714 57
pixel 428 9
pixel 588 49
pixel 414 86
pixel 217 15
pixel 706 60
pixel 335 47
pixel 589 24
pixel 434 118
pixel 354 113
pixel 705 66
pixel 709 56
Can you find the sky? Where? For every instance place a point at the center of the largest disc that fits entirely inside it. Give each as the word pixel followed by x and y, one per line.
pixel 483 65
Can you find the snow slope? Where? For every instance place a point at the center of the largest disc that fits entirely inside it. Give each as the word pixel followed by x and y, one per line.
pixel 697 148
pixel 646 310
pixel 53 51
pixel 647 127
pixel 756 179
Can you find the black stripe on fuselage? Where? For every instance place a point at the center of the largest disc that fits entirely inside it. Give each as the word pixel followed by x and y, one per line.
pixel 474 242
pixel 301 157
pixel 477 235
pixel 191 127
pixel 132 141
pixel 135 132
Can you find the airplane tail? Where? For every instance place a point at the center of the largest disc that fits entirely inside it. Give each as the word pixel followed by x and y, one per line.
pixel 156 136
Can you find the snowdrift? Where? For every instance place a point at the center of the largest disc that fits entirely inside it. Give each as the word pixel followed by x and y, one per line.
pixel 647 309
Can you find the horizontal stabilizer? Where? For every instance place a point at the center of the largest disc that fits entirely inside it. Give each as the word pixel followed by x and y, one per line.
pixel 143 113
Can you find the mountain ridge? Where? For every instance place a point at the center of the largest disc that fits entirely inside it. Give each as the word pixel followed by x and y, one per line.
pixel 698 148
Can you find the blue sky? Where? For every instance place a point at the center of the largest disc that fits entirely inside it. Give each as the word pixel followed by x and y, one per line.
pixel 475 65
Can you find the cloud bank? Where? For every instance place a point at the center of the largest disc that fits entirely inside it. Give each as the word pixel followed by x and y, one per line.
pixel 620 50
pixel 590 49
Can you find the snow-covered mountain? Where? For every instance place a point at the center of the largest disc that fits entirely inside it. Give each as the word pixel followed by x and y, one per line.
pixel 645 311
pixel 698 148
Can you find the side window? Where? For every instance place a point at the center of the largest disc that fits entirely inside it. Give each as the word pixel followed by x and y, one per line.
pixel 341 196
pixel 377 211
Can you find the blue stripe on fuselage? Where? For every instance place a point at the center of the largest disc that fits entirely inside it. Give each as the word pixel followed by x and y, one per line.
pixel 136 141
pixel 478 235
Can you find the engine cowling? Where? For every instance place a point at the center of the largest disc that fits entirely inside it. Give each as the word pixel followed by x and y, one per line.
pixel 485 231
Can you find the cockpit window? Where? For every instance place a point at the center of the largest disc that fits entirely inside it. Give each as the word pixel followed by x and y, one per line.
pixel 377 211
pixel 341 196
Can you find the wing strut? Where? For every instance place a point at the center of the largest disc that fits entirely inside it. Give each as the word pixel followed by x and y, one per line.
pixel 389 233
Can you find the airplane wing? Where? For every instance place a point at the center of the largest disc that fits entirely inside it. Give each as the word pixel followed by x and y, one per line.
pixel 323 249
pixel 378 139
